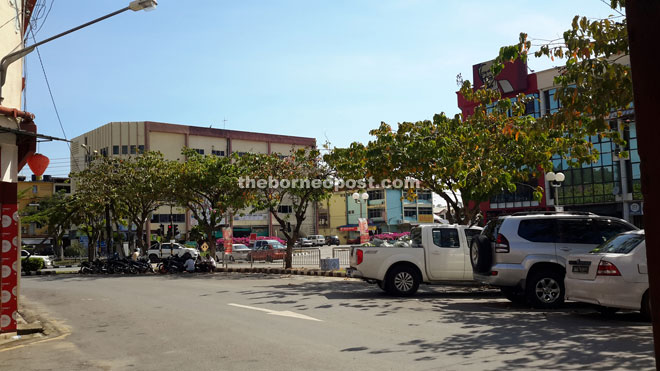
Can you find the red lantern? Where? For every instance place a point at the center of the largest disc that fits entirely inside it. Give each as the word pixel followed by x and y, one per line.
pixel 38 164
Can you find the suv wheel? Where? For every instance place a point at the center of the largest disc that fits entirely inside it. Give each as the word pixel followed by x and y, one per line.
pixel 402 281
pixel 481 254
pixel 545 289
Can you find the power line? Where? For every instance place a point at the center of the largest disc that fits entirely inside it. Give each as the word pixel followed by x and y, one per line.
pixel 52 98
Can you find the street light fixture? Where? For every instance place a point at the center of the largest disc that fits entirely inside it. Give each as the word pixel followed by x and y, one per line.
pixel 135 6
pixel 360 199
pixel 556 179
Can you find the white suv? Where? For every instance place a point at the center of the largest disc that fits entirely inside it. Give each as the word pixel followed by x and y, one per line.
pixel 317 239
pixel 525 253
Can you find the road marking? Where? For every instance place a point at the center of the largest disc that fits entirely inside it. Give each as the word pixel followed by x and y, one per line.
pixel 283 313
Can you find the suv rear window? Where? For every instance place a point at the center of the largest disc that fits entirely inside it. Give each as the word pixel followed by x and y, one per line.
pixel 538 230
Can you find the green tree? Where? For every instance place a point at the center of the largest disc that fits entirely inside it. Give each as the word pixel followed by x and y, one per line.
pixel 55 213
pixel 464 160
pixel 208 187
pixel 143 184
pixel 304 173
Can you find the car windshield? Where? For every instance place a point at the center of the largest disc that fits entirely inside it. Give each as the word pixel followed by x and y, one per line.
pixel 620 244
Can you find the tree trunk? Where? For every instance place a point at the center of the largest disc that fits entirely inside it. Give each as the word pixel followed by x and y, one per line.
pixel 642 26
pixel 108 230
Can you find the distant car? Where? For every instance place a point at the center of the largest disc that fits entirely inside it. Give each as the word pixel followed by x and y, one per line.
pixel 48 262
pixel 332 240
pixel 268 253
pixel 317 239
pixel 164 250
pixel 238 252
pixel 613 276
pixel 304 242
pixel 260 243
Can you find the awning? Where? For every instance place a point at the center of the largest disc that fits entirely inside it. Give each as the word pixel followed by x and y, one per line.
pixel 35 241
pixel 354 227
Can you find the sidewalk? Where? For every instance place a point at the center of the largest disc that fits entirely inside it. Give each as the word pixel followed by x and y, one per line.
pixel 26 330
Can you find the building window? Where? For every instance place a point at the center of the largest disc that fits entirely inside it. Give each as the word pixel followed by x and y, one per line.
pixel 124 150
pixel 115 150
pixel 133 150
pixel 198 150
pixel 35 189
pixel 65 188
pixel 217 153
pixel 591 183
pixel 376 194
pixel 552 105
pixel 410 212
pixel 424 196
pixel 284 209
pixel 425 211
pixel 241 154
pixel 323 219
pixel 374 213
pixel 140 149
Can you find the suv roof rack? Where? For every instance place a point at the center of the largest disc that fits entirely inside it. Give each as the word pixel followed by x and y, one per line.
pixel 549 212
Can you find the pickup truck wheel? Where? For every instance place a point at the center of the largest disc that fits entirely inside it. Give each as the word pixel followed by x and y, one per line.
pixel 269 259
pixel 515 295
pixel 545 289
pixel 402 281
pixel 481 255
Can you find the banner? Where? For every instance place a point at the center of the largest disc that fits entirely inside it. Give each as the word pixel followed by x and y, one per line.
pixel 227 237
pixel 363 227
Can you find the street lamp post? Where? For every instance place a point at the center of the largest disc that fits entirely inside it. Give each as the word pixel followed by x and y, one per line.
pixel 556 179
pixel 134 5
pixel 360 199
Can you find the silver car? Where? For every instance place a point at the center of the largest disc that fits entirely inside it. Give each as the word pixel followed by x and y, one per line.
pixel 525 254
pixel 238 252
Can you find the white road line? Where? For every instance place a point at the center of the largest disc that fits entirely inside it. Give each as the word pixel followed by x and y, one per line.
pixel 283 313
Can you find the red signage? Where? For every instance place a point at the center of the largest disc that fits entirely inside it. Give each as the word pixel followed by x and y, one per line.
pixel 363 227
pixel 227 238
pixel 253 237
pixel 9 268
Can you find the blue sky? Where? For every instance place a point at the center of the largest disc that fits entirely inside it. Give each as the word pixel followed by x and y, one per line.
pixel 332 70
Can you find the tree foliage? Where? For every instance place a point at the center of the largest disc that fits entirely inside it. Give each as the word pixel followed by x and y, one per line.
pixel 208 187
pixel 54 212
pixel 303 172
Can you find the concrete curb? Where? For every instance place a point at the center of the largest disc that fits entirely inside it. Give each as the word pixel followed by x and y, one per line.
pixel 46 273
pixel 263 270
pixel 293 271
pixel 66 266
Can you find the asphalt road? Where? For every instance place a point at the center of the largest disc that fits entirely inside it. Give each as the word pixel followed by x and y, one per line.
pixel 260 322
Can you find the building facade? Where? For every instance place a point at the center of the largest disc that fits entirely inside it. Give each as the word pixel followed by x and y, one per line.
pixel 30 193
pixel 611 186
pixel 132 138
pixel 387 210
pixel 17 144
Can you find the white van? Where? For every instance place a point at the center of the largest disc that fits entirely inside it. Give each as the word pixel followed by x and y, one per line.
pixel 317 239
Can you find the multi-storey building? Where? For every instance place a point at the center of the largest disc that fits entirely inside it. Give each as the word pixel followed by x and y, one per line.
pixel 131 138
pixel 387 210
pixel 611 186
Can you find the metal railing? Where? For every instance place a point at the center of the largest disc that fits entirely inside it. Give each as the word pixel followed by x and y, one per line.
pixel 306 257
pixel 343 253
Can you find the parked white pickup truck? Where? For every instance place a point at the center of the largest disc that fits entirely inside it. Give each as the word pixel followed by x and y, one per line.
pixel 436 254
